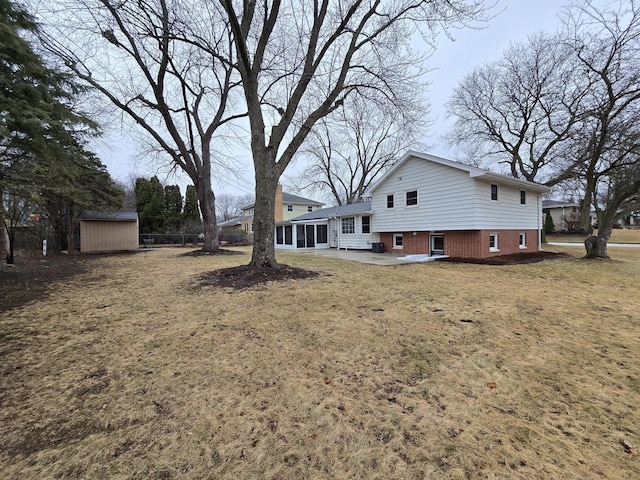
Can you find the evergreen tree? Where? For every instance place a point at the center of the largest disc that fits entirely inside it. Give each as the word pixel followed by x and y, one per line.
pixel 190 214
pixel 172 208
pixel 549 225
pixel 150 205
pixel 42 137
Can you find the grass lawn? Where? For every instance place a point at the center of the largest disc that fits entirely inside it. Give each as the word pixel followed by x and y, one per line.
pixel 618 235
pixel 133 370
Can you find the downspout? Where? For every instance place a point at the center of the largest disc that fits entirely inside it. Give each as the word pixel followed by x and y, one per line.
pixel 539 223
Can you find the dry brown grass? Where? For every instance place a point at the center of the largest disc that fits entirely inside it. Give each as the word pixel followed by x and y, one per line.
pixel 619 235
pixel 438 370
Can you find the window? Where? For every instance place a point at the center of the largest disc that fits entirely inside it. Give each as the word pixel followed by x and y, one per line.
pixel 493 242
pixel 494 191
pixel 366 224
pixel 348 225
pixel 288 235
pixel 523 197
pixel 390 201
pixel 322 234
pixel 310 208
pixel 412 198
pixel 279 236
pixel 397 240
pixel 252 226
pixel 289 208
pixel 246 227
pixel 522 240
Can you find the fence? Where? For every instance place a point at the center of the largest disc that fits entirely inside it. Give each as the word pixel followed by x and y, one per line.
pixel 159 239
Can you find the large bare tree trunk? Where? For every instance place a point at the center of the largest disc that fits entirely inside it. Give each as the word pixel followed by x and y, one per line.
pixel 264 254
pixel 207 200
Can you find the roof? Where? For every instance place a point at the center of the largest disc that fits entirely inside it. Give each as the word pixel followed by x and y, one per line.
pixel 231 223
pixel 473 172
pixel 558 204
pixel 340 211
pixel 289 199
pixel 110 216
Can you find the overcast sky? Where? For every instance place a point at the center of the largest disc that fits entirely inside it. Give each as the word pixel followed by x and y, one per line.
pixel 514 21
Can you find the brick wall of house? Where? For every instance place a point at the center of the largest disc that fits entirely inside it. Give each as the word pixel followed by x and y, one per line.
pixel 465 244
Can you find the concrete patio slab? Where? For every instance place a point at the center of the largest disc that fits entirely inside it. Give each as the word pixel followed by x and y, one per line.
pixel 362 256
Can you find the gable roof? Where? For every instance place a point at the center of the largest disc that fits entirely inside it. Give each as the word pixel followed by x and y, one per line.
pixel 330 212
pixel 110 216
pixel 290 199
pixel 473 172
pixel 558 204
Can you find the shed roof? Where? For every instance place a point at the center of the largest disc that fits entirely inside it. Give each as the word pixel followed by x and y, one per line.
pixel 110 216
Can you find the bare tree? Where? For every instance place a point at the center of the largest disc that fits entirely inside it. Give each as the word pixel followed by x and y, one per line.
pixel 350 149
pixel 565 109
pixel 302 60
pixel 230 206
pixel 607 151
pixel 520 111
pixel 158 63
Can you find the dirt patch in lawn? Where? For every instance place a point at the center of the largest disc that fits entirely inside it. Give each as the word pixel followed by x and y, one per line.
pixel 243 277
pixel 30 277
pixel 513 259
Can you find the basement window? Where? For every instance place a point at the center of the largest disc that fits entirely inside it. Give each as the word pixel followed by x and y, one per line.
pixel 522 240
pixel 493 242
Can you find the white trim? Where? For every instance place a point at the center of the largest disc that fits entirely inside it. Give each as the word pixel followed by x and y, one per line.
pixel 496 247
pixel 395 246
pixel 522 245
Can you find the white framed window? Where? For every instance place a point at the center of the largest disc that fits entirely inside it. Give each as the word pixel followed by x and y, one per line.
pixel 523 197
pixel 366 224
pixel 494 192
pixel 289 208
pixel 412 198
pixel 348 225
pixel 397 240
pixel 310 208
pixel 522 240
pixel 493 242
pixel 390 201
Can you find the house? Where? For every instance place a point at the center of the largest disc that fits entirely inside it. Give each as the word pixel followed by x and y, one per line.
pixel 429 205
pixel 565 214
pixel 287 206
pixel 108 232
pixel 346 226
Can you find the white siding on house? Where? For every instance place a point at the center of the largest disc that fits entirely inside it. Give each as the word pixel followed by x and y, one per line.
pixel 450 199
pixel 357 240
pixel 506 213
pixel 445 199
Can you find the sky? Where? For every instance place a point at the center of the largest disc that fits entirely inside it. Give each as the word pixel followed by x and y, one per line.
pixel 514 21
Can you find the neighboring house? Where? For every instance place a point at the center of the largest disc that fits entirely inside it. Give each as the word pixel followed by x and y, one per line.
pixel 565 215
pixel 287 206
pixel 108 232
pixel 430 205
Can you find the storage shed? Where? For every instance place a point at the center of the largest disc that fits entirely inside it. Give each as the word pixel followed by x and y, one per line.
pixel 108 232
